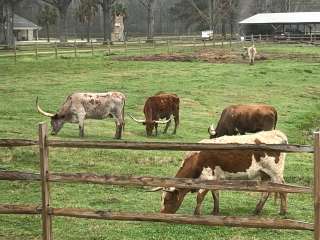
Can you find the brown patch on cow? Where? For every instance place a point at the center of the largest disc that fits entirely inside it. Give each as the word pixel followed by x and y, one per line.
pixel 257 141
pixel 98 102
pixel 91 101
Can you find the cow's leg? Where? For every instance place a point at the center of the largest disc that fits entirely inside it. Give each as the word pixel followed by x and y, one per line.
pixel 216 203
pixel 167 126
pixel 81 124
pixel 261 203
pixel 119 124
pixel 283 201
pixel 200 197
pixel 156 128
pixel 176 122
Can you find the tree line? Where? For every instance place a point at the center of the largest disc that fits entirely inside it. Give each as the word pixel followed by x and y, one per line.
pixel 184 16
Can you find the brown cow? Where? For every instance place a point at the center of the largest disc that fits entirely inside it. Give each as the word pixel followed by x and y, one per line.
pixel 160 106
pixel 231 165
pixel 243 119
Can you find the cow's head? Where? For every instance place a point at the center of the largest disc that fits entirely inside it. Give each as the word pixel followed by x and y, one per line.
pixel 150 124
pixel 212 131
pixel 57 121
pixel 171 199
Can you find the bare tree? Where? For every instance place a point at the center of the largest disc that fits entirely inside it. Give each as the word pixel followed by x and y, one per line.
pixel 149 6
pixel 47 16
pixel 86 12
pixel 8 10
pixel 62 7
pixel 106 6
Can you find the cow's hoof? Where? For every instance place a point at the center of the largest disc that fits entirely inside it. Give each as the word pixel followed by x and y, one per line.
pixel 215 213
pixel 256 213
pixel 196 213
pixel 283 213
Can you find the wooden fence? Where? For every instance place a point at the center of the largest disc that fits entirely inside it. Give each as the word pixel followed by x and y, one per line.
pixel 46 177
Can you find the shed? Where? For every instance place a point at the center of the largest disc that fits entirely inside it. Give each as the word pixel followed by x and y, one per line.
pixel 24 29
pixel 294 22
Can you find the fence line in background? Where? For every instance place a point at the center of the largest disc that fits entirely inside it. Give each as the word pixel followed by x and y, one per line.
pixel 45 177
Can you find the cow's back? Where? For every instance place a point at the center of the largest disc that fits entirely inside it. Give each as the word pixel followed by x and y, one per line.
pixel 235 161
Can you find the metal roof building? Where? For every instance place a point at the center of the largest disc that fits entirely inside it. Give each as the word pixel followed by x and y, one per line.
pixel 284 18
pixel 291 21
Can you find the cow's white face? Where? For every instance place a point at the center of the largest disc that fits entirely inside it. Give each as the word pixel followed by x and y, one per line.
pixel 171 200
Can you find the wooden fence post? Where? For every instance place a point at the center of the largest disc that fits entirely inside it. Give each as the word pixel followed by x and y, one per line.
pixel 56 50
pixel 168 46
pixel 317 186
pixel 126 47
pixel 15 53
pixel 109 47
pixel 140 47
pixel 45 191
pixel 75 49
pixel 92 49
pixel 36 51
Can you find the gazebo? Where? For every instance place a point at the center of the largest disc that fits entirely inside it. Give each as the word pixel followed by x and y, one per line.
pixel 306 23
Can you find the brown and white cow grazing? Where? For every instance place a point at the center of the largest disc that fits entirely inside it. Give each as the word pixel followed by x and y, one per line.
pixel 160 106
pixel 251 53
pixel 80 106
pixel 231 165
pixel 243 119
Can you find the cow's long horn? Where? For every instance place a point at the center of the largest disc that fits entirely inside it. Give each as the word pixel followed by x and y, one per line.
pixel 43 112
pixel 211 130
pixel 170 189
pixel 155 189
pixel 163 122
pixel 136 120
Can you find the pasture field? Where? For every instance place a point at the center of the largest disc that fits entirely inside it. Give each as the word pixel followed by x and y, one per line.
pixel 291 85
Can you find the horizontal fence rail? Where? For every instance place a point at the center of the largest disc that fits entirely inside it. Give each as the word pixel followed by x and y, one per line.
pixel 232 185
pixel 170 146
pixel 249 222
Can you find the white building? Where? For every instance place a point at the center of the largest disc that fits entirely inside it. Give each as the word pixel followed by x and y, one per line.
pixel 24 29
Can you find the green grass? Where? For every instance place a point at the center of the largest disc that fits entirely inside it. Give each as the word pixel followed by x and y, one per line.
pixel 205 89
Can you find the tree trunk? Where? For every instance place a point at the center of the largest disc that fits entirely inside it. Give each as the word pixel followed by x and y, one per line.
pixel 150 19
pixel 107 19
pixel 47 29
pixel 88 31
pixel 9 37
pixel 63 25
pixel 223 27
pixel 211 14
pixel 2 29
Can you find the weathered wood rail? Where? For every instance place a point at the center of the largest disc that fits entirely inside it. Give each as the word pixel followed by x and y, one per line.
pixel 45 177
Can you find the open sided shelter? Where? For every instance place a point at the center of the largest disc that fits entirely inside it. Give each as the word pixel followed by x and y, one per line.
pixel 294 22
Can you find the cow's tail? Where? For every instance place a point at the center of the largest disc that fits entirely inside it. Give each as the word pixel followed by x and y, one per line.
pixel 275 120
pixel 123 123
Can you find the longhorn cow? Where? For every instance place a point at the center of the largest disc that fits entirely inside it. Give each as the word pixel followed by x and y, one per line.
pixel 160 106
pixel 80 106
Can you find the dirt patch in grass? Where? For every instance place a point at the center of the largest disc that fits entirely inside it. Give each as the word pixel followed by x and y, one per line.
pixel 218 56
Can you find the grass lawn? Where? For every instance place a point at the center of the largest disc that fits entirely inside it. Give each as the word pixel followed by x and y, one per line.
pixel 292 86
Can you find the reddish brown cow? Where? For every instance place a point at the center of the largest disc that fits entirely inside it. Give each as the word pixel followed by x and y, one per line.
pixel 243 119
pixel 157 107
